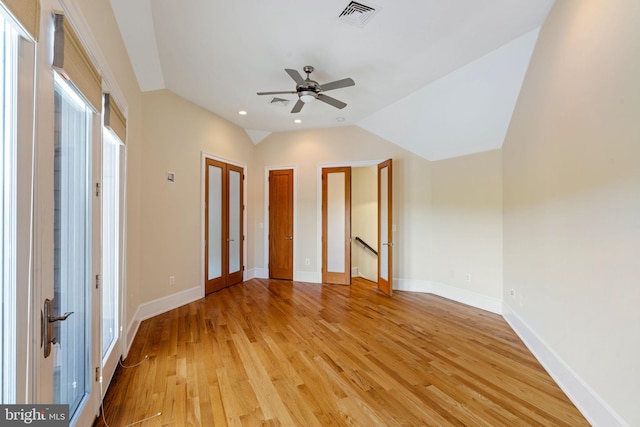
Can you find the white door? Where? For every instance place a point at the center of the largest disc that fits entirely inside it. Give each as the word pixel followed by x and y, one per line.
pixel 70 256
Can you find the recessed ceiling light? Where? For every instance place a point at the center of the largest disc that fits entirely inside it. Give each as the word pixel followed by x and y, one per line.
pixel 297 121
pixel 242 113
pixel 340 119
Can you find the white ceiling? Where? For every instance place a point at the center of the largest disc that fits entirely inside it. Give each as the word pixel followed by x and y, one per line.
pixel 439 78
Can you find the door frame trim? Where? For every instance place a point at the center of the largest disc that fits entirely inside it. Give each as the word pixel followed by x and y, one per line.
pixel 204 155
pixel 265 268
pixel 319 167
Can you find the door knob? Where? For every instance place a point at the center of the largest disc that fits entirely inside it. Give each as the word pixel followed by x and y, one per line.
pixel 288 238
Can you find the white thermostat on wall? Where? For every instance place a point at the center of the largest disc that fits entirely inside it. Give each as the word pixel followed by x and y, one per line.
pixel 171 177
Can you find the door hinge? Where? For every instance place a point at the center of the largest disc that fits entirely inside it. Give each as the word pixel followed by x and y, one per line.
pixel 98 375
pixel 97 189
pixel 97 281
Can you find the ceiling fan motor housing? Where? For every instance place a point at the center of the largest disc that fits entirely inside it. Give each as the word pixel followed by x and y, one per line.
pixel 309 90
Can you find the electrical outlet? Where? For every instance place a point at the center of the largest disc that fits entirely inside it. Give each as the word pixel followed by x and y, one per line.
pixel 172 280
pixel 467 277
pixel 307 261
pixel 512 292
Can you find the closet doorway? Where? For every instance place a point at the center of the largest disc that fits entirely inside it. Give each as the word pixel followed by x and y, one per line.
pixel 223 225
pixel 281 224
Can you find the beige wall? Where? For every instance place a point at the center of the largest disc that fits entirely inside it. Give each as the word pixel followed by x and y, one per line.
pixel 307 151
pixel 453 205
pixel 572 197
pixel 176 133
pixel 104 29
pixel 570 180
pixel 467 223
pixel 456 204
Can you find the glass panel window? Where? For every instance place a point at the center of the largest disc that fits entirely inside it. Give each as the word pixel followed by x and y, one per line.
pixel 110 239
pixel 8 122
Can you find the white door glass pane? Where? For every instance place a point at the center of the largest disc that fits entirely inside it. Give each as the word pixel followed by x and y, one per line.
pixel 336 222
pixel 214 239
pixel 8 123
pixel 110 239
pixel 234 221
pixel 384 223
pixel 72 248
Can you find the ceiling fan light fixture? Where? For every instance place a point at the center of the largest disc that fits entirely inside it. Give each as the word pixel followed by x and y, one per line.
pixel 307 96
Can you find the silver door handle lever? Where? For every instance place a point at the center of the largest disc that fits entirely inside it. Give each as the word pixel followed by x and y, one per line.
pixel 53 319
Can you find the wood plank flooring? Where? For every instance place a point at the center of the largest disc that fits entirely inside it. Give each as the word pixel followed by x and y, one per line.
pixel 280 353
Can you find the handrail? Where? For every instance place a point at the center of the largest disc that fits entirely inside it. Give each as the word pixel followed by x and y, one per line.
pixel 366 246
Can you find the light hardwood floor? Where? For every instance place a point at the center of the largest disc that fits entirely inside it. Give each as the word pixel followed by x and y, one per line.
pixel 269 352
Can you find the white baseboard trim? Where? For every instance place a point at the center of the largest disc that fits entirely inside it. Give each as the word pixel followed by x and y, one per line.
pixel 159 306
pixel 463 296
pixel 307 276
pixel 588 402
pixel 298 276
pixel 132 330
pixel 253 273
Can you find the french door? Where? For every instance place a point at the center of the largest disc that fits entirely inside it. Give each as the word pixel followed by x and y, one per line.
pixel 69 370
pixel 336 225
pixel 224 238
pixel 385 228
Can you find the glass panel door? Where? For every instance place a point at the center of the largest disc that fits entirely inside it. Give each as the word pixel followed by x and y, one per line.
pixel 235 238
pixel 110 239
pixel 336 225
pixel 214 220
pixel 223 225
pixel 17 68
pixel 8 302
pixel 112 150
pixel 234 214
pixel 72 249
pixel 385 227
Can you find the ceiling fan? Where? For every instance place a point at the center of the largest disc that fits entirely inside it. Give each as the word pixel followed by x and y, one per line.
pixel 309 90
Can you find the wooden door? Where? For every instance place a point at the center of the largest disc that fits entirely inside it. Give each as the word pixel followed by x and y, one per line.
pixel 336 225
pixel 223 225
pixel 281 224
pixel 385 228
pixel 235 214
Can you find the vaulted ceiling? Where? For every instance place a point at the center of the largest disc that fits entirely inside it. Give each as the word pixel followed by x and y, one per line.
pixel 439 78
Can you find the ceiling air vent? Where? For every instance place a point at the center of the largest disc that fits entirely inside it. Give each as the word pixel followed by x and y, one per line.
pixel 279 101
pixel 357 14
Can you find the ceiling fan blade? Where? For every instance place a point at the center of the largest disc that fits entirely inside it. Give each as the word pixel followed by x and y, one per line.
pixel 331 101
pixel 296 108
pixel 337 84
pixel 275 93
pixel 295 75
